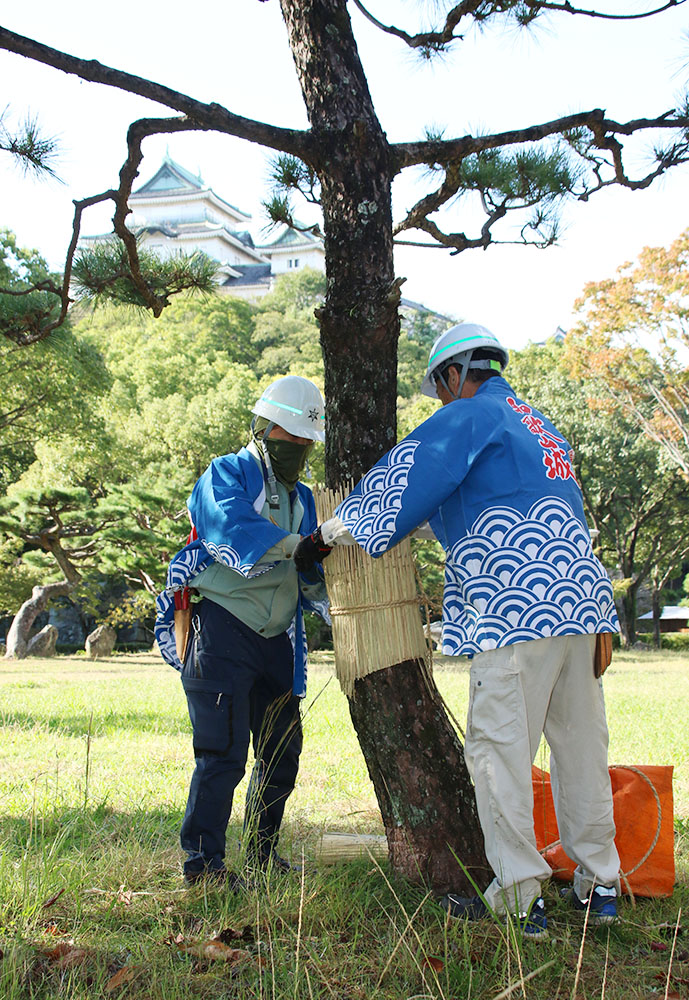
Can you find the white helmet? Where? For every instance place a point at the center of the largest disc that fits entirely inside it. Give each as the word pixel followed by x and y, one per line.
pixel 457 345
pixel 295 404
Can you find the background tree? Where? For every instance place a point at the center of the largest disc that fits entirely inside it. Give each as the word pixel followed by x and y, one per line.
pixel 634 334
pixel 57 525
pixel 48 388
pixel 346 161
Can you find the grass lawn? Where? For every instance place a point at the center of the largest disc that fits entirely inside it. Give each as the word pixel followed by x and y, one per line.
pixel 96 759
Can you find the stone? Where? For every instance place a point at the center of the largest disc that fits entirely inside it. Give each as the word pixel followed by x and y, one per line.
pixel 43 643
pixel 100 642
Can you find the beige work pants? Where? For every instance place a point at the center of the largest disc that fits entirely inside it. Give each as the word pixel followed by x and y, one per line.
pixel 517 693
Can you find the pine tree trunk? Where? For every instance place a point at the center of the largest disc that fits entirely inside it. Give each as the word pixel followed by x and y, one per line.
pixel 628 616
pixel 655 607
pixel 413 756
pixel 417 766
pixel 20 629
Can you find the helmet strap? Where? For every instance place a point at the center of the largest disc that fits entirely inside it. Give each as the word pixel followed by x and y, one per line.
pixel 274 498
pixel 463 367
pixel 464 372
pixel 443 382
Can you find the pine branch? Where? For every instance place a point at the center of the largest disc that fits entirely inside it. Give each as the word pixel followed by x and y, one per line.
pixel 33 151
pixel 206 116
pixel 523 11
pixel 29 326
pixel 443 152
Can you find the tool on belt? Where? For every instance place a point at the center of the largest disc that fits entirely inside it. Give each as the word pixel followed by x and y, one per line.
pixel 183 611
pixel 602 654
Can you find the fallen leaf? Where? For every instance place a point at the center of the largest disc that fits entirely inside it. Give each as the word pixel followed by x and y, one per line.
pixel 51 928
pixel 658 946
pixel 52 954
pixel 436 964
pixel 125 975
pixel 53 899
pixel 69 958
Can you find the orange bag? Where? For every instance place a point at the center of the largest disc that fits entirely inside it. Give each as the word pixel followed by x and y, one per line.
pixel 643 811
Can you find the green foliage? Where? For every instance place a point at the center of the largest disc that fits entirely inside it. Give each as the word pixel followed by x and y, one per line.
pixel 678 641
pixel 32 151
pixel 17 578
pixel 104 273
pixel 411 363
pixel 429 561
pixel 50 388
pixel 423 325
pixel 286 333
pixel 29 293
pixel 413 411
pixel 134 608
pixel 530 178
pixel 183 385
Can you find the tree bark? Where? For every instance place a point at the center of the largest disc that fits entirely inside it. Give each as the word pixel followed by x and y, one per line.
pixel 655 607
pixel 19 633
pixel 412 753
pixel 417 766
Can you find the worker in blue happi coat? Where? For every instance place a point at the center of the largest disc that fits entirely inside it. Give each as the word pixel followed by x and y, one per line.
pixel 243 667
pixel 524 597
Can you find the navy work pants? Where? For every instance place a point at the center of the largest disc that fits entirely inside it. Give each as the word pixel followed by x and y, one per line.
pixel 238 686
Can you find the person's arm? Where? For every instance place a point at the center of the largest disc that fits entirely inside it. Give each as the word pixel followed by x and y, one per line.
pixel 222 507
pixel 411 482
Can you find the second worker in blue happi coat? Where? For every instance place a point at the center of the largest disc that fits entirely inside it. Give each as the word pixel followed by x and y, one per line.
pixel 524 597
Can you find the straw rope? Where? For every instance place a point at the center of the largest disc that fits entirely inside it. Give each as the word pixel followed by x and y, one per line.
pixel 363 608
pixel 374 604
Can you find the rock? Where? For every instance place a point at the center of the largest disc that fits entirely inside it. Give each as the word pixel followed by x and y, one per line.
pixel 100 642
pixel 43 643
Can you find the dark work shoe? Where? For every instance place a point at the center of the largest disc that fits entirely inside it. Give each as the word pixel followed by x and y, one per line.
pixel 601 904
pixel 533 924
pixel 211 876
pixel 215 878
pixel 467 907
pixel 279 864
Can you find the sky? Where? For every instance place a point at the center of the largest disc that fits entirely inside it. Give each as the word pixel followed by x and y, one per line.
pixel 235 52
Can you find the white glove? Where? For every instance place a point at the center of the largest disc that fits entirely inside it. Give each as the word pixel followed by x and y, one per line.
pixel 333 532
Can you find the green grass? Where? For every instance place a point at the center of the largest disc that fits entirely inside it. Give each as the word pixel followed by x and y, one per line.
pixel 95 762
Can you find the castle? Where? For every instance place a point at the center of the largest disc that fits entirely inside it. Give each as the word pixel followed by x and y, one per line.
pixel 175 210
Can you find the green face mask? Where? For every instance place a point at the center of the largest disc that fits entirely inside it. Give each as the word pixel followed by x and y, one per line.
pixel 288 460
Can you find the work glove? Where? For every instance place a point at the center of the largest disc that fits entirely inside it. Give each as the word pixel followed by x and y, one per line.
pixel 311 549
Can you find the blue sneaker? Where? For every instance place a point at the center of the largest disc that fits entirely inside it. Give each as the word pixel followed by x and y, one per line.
pixel 601 904
pixel 533 924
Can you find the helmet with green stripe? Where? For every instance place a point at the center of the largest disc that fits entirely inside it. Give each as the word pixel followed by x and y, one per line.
pixel 295 404
pixel 457 346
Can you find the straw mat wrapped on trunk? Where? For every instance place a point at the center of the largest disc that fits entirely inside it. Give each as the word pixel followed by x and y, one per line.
pixel 373 604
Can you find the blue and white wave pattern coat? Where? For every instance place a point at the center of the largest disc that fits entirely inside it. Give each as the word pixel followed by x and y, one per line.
pixel 495 479
pixel 225 507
